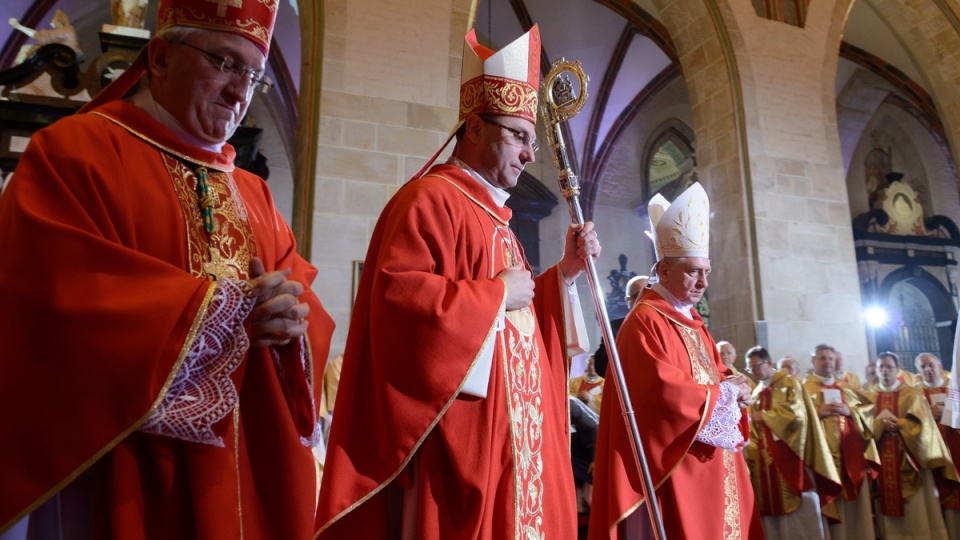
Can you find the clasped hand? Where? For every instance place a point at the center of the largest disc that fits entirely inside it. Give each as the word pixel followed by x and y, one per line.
pixel 745 398
pixel 833 409
pixel 278 315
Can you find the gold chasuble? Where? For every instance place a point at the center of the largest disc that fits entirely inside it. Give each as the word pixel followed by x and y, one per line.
pixel 411 455
pixel 916 446
pixel 948 491
pixel 784 443
pixel 848 437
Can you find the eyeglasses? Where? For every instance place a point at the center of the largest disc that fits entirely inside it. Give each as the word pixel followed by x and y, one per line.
pixel 519 136
pixel 258 81
pixel 753 367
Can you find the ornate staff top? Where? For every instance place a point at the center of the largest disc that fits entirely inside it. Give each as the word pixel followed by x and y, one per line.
pixel 563 98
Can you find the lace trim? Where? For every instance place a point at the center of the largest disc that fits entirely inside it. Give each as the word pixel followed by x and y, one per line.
pixel 722 430
pixel 202 393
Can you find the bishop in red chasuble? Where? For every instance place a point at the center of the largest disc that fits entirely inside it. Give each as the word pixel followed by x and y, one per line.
pixel 141 399
pixel 452 412
pixel 687 406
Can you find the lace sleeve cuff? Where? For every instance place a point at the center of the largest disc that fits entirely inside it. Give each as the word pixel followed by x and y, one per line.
pixel 202 393
pixel 722 430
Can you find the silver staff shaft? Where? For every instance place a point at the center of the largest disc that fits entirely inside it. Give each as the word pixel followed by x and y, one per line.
pixel 560 104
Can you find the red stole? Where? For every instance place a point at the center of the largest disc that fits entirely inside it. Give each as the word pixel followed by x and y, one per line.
pixel 777 464
pixel 855 465
pixel 891 448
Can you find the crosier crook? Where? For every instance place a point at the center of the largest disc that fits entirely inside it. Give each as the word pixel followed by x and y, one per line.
pixel 560 103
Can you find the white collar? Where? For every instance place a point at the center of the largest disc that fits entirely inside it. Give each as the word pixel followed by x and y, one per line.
pixel 682 307
pixel 498 195
pixel 938 384
pixel 893 387
pixel 829 381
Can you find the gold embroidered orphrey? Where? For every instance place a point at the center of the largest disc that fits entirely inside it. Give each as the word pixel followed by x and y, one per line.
pixel 523 378
pixel 226 254
pixel 704 371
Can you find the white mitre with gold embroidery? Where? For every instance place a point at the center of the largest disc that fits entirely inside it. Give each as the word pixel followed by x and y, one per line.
pixel 681 229
pixel 498 83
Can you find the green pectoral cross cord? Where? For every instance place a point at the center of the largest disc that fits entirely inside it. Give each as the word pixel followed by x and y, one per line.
pixel 205 201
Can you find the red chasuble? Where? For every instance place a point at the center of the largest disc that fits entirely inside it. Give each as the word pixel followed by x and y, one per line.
pixel 407 449
pixel 104 283
pixel 672 370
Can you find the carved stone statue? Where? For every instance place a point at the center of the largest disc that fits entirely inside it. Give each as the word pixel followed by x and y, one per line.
pixel 128 12
pixel 61 31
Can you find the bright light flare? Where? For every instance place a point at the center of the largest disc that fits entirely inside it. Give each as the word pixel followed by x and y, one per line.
pixel 875 316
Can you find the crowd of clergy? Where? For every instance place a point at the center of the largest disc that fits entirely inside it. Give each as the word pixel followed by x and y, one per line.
pixel 836 457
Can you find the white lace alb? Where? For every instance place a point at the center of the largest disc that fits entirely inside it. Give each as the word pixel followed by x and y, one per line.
pixel 202 393
pixel 722 430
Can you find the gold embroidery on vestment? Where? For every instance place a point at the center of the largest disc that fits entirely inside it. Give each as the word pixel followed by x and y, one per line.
pixel 731 507
pixel 228 252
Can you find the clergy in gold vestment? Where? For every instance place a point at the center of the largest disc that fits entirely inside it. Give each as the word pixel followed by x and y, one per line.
pixel 847 378
pixel 851 446
pixel 790 464
pixel 728 355
pixel 934 384
pixel 588 387
pixel 911 449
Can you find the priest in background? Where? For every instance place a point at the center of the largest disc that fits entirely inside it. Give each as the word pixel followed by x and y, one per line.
pixel 792 470
pixel 935 387
pixel 911 452
pixel 847 378
pixel 854 453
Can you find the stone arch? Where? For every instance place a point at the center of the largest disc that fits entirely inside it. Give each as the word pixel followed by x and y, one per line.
pixel 671 131
pixel 944 312
pixel 707 41
pixel 930 33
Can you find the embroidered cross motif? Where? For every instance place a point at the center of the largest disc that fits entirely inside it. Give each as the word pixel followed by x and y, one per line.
pixel 222 6
pixel 218 267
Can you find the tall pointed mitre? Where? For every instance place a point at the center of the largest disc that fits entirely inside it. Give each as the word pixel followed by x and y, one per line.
pixel 502 83
pixel 250 19
pixel 681 229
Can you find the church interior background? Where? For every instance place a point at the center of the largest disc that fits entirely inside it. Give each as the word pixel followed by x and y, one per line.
pixel 822 131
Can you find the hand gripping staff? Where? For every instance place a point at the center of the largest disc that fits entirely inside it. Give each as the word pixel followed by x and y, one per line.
pixel 560 103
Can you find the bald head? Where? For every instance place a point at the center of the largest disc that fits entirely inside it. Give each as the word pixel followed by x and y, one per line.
pixel 634 289
pixel 930 368
pixel 728 353
pixel 790 364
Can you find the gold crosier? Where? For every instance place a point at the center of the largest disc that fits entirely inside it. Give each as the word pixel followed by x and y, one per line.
pixel 564 95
